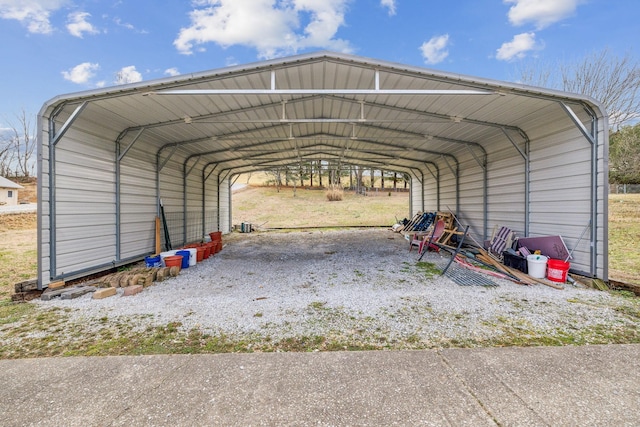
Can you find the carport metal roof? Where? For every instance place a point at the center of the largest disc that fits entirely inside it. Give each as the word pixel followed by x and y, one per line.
pixel 319 106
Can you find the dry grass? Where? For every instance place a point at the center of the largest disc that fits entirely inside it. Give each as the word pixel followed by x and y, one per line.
pixel 29 193
pixel 335 194
pixel 624 237
pixel 18 256
pixel 266 207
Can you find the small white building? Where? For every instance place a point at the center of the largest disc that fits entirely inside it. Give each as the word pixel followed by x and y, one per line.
pixel 8 192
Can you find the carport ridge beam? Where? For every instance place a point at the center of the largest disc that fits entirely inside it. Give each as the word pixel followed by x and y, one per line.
pixel 270 92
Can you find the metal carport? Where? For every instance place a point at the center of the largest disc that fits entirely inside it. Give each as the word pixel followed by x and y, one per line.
pixel 493 152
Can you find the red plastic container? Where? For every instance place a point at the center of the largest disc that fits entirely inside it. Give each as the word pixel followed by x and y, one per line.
pixel 200 253
pixel 207 251
pixel 173 261
pixel 212 248
pixel 557 270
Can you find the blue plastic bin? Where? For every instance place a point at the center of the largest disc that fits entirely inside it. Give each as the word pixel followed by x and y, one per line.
pixel 153 261
pixel 185 258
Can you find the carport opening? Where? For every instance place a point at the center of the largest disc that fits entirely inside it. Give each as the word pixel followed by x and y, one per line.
pixel 319 196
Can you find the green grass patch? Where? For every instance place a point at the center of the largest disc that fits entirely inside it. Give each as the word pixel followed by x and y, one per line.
pixel 11 312
pixel 428 268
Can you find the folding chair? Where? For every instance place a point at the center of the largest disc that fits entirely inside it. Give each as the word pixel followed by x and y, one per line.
pixel 501 239
pixel 434 237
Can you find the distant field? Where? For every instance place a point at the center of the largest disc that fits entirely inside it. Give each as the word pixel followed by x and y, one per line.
pixel 266 207
pixel 624 237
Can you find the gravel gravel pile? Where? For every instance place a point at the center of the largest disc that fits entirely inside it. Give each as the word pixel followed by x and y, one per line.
pixel 357 284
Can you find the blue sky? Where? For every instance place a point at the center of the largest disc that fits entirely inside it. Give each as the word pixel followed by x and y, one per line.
pixel 53 47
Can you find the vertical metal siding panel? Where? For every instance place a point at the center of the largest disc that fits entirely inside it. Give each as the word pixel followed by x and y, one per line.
pixel 471 210
pixel 430 192
pixel 561 191
pixel 603 202
pixel 447 188
pixel 85 202
pixel 138 204
pixel 171 193
pixel 194 206
pixel 44 222
pixel 505 188
pixel 416 196
pixel 224 212
pixel 211 204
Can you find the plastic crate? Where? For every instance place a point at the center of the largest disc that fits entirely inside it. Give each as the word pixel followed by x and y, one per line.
pixel 515 261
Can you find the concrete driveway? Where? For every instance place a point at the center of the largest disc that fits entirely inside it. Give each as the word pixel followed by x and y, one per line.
pixel 542 386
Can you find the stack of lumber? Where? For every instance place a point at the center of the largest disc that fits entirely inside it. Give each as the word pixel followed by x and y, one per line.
pixel 26 291
pixel 514 273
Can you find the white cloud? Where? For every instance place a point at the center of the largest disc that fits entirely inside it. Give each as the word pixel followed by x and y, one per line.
pixel 541 13
pixel 78 24
pixel 32 13
pixel 81 73
pixel 274 30
pixel 120 23
pixel 390 4
pixel 128 75
pixel 518 47
pixel 172 71
pixel 435 50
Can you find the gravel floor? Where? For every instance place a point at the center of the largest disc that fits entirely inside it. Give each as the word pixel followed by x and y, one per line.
pixel 356 284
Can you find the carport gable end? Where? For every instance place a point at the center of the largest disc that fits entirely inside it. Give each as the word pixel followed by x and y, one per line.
pixel 492 152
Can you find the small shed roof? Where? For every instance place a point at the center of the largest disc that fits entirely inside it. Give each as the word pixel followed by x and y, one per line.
pixel 5 183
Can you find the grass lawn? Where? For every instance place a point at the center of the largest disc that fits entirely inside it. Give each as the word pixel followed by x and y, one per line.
pixel 269 208
pixel 624 237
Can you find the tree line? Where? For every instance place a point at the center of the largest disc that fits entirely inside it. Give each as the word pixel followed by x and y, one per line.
pixel 325 173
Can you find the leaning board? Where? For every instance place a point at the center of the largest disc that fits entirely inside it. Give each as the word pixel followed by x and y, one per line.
pixel 551 246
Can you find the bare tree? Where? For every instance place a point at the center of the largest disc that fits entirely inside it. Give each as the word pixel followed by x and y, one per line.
pixel 17 146
pixel 6 156
pixel 610 79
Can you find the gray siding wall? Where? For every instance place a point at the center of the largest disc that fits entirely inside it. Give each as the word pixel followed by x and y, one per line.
pixel 138 202
pixel 86 210
pixel 44 223
pixel 560 190
pixel 211 203
pixel 85 205
pixel 224 220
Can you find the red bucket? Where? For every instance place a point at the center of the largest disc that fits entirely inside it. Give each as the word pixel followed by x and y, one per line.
pixel 557 270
